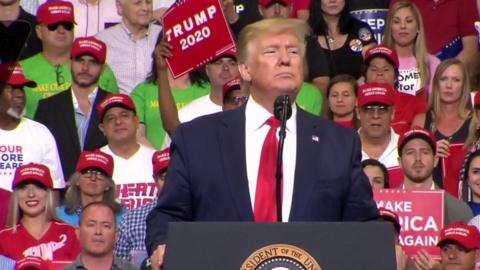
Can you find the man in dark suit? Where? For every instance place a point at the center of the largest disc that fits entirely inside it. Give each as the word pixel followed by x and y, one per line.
pixel 70 115
pixel 218 163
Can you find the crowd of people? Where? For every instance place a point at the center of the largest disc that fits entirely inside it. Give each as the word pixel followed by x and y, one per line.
pixel 90 118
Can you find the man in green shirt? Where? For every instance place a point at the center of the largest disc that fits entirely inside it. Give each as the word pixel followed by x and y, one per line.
pixel 51 67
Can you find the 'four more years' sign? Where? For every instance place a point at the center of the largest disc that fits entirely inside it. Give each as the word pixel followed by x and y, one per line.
pixel 421 216
pixel 198 32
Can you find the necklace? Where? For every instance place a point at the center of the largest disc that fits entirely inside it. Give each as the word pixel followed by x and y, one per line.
pixel 331 40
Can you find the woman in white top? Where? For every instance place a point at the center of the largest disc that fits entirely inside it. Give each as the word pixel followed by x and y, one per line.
pixel 405 33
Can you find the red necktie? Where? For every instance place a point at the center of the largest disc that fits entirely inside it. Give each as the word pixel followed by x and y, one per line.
pixel 265 209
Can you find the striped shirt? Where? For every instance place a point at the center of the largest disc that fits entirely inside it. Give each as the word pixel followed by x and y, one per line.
pixel 130 59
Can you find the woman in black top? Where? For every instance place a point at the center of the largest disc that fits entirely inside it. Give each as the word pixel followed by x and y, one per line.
pixel 341 37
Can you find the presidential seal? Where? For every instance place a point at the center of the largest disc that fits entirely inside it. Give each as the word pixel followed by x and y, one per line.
pixel 280 257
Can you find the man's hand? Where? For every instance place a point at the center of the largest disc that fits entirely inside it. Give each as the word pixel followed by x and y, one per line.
pixel 229 11
pixel 157 257
pixel 423 261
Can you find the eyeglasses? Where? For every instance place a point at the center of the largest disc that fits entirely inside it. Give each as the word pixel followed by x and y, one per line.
pixel 239 100
pixel 94 174
pixel 371 109
pixel 66 26
pixel 58 73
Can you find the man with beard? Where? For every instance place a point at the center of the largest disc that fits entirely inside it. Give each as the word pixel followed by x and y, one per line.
pixel 70 115
pixel 417 158
pixel 416 151
pixel 21 140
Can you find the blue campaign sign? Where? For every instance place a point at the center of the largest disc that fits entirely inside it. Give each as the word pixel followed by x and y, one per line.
pixel 375 18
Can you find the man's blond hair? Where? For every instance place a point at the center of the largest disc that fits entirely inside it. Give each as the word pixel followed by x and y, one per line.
pixel 267 27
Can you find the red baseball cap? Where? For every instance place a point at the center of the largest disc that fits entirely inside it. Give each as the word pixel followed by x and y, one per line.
pixel 115 100
pixel 160 161
pixel 382 93
pixel 266 3
pixel 419 133
pixel 384 51
pixel 12 73
pixel 31 262
pixel 232 53
pixel 462 234
pixel 91 46
pixel 55 11
pixel 233 84
pixel 95 160
pixel 32 172
pixel 390 216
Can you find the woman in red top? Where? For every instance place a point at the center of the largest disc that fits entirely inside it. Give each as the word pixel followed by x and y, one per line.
pixel 33 230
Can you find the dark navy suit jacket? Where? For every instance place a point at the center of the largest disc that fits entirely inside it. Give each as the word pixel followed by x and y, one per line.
pixel 207 176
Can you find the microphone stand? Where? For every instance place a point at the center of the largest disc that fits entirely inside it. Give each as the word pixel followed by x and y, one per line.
pixel 284 115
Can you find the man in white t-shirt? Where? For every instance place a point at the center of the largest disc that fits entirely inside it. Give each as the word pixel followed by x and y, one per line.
pixel 133 166
pixel 375 110
pixel 21 140
pixel 219 71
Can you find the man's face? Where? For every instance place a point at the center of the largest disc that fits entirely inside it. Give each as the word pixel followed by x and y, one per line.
pixel 18 100
pixel 56 36
pixel 12 101
pixel 275 10
pixel 221 71
pixel 381 71
pixel 119 125
pixel 97 231
pixel 85 70
pixel 136 13
pixel 274 67
pixel 456 257
pixel 375 120
pixel 417 160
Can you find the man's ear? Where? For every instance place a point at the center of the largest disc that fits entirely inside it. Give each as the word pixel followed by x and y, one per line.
pixel 38 30
pixel 119 8
pixel 244 72
pixel 102 129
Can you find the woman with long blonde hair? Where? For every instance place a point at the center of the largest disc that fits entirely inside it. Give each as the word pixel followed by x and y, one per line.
pixel 449 118
pixel 33 229
pixel 405 33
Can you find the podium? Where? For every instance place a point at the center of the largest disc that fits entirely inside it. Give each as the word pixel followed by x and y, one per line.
pixel 302 245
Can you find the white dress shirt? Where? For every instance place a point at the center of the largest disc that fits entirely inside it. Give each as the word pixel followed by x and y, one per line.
pixel 256 130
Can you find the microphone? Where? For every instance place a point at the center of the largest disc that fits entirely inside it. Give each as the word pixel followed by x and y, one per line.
pixel 282 109
pixel 281 105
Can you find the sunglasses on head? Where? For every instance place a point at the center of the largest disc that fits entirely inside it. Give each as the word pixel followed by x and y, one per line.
pixel 66 25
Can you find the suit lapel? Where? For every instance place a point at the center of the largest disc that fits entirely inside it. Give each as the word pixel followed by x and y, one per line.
pixel 93 131
pixel 232 148
pixel 66 109
pixel 308 140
